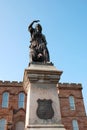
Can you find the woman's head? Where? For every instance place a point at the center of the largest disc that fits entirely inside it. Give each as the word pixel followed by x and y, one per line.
pixel 38 27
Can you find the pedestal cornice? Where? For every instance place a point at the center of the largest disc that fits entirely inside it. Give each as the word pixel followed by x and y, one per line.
pixel 41 73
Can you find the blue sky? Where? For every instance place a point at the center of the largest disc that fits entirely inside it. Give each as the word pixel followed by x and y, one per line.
pixel 64 24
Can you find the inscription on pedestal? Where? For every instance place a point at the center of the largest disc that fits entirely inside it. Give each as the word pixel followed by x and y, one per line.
pixel 45 110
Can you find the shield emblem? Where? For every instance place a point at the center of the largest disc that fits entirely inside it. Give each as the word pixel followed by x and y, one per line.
pixel 45 110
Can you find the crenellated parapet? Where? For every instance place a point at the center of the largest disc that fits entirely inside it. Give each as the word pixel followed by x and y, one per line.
pixel 10 83
pixel 69 86
pixel 60 85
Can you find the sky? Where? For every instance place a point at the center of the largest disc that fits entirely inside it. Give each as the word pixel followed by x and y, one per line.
pixel 64 24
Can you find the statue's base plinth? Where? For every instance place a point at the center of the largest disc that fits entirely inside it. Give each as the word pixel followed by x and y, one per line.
pixel 45 127
pixel 43 107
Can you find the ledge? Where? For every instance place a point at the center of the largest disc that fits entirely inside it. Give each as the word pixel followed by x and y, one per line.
pixel 46 126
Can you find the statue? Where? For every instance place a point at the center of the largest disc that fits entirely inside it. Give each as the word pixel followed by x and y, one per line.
pixel 38 48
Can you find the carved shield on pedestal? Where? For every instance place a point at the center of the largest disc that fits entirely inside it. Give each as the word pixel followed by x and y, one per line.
pixel 45 110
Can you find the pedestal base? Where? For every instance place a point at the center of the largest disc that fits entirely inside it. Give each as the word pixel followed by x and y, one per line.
pixel 43 107
pixel 46 127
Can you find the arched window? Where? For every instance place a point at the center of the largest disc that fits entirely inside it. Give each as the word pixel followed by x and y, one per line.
pixel 5 98
pixel 21 99
pixel 72 102
pixel 20 125
pixel 75 125
pixel 2 124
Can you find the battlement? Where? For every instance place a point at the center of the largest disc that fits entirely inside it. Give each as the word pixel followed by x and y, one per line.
pixel 60 85
pixel 13 83
pixel 69 86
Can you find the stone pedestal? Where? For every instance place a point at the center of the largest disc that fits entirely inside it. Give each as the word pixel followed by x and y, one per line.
pixel 43 108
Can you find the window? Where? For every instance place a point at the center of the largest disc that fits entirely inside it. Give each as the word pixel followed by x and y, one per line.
pixel 75 125
pixel 5 98
pixel 20 125
pixel 72 103
pixel 2 124
pixel 21 100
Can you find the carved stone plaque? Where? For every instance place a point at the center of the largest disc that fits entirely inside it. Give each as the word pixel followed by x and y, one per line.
pixel 45 110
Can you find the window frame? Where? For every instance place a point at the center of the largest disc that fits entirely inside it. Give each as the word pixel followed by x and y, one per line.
pixel 21 100
pixel 75 125
pixel 72 102
pixel 3 124
pixel 5 99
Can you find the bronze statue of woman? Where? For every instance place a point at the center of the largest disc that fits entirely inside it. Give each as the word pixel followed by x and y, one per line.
pixel 38 46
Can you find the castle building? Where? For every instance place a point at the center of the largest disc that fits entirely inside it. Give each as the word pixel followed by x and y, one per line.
pixel 13 106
